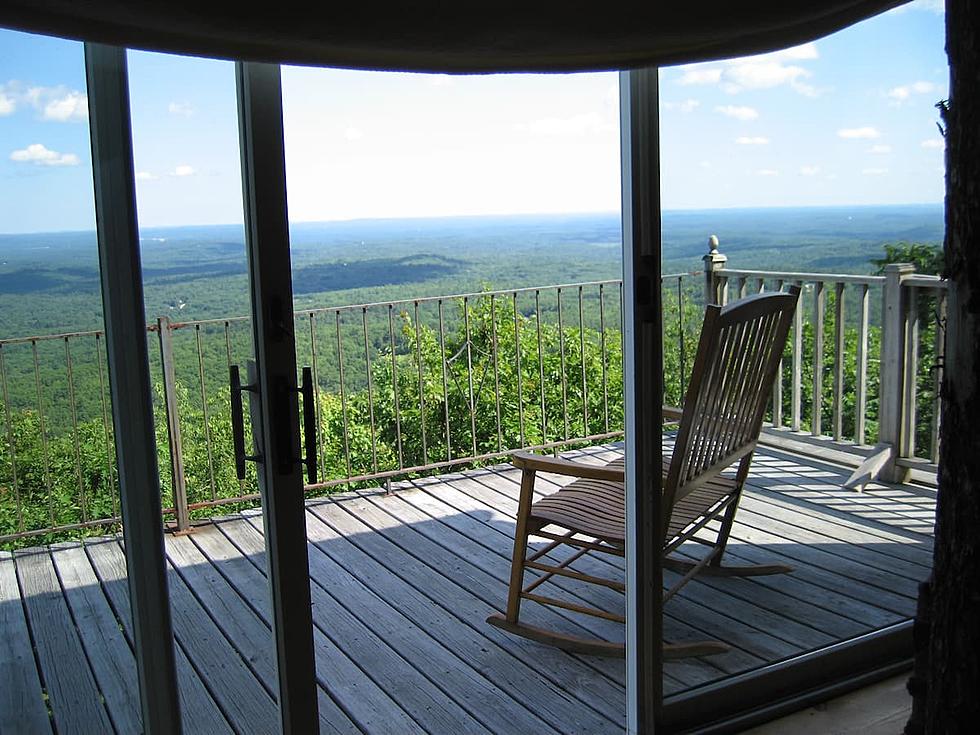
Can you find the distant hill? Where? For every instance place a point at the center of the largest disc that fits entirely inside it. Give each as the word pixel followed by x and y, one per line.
pixel 49 282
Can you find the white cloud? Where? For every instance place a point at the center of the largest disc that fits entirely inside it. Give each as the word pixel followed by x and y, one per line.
pixel 42 156
pixel 688 105
pixel 184 109
pixel 809 170
pixel 874 171
pixel 752 140
pixel 144 176
pixel 880 148
pixel 705 164
pixel 575 125
pixel 759 72
pixel 739 113
pixel 7 103
pixel 60 105
pixel 55 104
pixel 767 172
pixel 695 75
pixel 184 170
pixel 352 133
pixel 865 133
pixel 933 143
pixel 903 92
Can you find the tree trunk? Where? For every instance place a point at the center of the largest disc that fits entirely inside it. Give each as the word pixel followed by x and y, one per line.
pixel 946 683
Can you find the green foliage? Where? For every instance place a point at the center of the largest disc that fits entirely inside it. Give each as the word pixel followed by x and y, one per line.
pixel 926 257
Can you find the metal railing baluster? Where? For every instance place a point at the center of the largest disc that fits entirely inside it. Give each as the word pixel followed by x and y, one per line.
pixel 204 410
pixel 445 381
pixel 11 445
pixel 109 447
pixel 517 362
pixel 44 433
pixel 564 375
pixel 317 411
pixel 76 449
pixel 394 385
pixel 469 370
pixel 496 370
pixel 418 362
pixel 370 389
pixel 343 397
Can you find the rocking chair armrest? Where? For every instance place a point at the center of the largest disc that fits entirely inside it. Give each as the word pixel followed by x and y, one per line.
pixel 527 461
pixel 672 413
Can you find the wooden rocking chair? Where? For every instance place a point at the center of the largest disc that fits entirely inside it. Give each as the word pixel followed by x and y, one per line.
pixel 737 360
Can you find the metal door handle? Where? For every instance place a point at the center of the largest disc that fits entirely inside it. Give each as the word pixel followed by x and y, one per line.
pixel 309 425
pixel 238 422
pixel 283 433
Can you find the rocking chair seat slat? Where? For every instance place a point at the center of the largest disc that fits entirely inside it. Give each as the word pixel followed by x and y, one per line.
pixel 598 508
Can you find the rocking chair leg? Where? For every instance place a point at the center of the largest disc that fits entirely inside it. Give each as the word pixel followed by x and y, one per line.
pixel 520 547
pixel 729 518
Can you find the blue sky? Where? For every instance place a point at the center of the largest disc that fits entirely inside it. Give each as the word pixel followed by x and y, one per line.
pixel 848 119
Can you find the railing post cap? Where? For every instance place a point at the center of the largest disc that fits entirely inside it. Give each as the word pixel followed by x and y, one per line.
pixel 712 245
pixel 899 268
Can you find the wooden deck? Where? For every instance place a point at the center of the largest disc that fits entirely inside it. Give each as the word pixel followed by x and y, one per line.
pixel 401 586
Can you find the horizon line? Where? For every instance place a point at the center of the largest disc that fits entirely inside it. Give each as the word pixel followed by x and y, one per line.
pixel 497 215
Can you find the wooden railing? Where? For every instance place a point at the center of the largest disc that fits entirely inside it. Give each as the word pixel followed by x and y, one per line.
pixel 874 341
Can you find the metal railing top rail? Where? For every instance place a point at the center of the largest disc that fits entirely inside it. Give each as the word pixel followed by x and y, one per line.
pixel 413 301
pixel 798 276
pixel 49 337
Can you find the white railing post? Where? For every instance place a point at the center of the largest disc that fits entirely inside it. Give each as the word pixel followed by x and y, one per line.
pixel 713 262
pixel 893 428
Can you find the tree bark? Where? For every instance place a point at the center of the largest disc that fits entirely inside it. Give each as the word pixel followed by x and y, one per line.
pixel 946 682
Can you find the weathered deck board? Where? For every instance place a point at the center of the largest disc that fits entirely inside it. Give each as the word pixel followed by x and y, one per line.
pixel 199 713
pixel 113 662
pixel 401 585
pixel 455 617
pixel 22 707
pixel 245 572
pixel 72 692
pixel 402 693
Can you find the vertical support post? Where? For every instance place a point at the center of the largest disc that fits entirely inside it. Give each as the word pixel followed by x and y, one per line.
pixel 280 475
pixel 796 368
pixel 713 262
pixel 129 383
pixel 861 376
pixel 816 400
pixel 178 481
pixel 892 409
pixel 643 383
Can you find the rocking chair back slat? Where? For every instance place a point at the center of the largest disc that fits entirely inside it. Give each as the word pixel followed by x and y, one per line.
pixel 737 358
